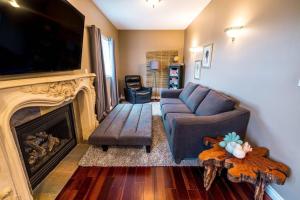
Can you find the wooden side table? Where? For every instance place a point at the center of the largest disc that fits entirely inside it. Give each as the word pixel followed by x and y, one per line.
pixel 256 168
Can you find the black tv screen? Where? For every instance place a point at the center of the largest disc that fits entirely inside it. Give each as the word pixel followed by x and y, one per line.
pixel 39 36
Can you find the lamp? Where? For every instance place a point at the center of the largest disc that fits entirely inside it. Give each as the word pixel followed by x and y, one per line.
pixel 154 66
pixel 233 32
pixel 153 2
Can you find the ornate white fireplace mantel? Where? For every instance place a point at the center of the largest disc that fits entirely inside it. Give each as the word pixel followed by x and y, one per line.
pixel 43 92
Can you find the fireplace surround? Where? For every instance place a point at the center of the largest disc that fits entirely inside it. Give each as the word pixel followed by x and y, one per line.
pixel 44 92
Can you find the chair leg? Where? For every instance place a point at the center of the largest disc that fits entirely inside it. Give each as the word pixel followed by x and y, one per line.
pixel 148 148
pixel 104 147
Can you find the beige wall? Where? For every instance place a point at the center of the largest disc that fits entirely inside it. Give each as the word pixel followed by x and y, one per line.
pixel 261 69
pixel 93 16
pixel 135 43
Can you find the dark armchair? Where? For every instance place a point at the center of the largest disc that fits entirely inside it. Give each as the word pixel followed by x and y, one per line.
pixel 135 92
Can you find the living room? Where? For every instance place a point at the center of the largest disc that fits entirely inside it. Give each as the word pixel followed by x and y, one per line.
pixel 149 99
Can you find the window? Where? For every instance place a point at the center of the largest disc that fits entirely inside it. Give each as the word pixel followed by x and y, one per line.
pixel 107 57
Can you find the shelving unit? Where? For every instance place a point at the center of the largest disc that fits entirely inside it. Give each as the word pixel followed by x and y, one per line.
pixel 175 76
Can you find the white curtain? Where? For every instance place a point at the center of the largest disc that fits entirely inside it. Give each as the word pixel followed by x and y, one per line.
pixel 114 83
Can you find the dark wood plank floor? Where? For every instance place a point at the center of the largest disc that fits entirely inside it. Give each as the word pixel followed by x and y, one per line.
pixel 143 183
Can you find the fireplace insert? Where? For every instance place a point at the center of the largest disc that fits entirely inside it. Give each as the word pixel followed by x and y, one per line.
pixel 45 141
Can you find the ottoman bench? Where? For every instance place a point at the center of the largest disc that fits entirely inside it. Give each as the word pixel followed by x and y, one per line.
pixel 126 124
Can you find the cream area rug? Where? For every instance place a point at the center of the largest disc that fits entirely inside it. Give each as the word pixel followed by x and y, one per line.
pixel 136 156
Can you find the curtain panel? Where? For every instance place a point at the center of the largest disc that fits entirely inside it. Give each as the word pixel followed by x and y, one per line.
pixel 97 67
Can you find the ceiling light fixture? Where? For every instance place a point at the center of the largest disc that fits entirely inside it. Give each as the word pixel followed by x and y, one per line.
pixel 14 3
pixel 153 3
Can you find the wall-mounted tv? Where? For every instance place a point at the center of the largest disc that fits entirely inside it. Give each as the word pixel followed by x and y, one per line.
pixel 39 36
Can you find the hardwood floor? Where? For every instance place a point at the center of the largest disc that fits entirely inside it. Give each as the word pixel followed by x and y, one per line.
pixel 143 183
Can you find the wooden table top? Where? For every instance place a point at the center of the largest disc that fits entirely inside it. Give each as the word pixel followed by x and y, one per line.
pixel 255 165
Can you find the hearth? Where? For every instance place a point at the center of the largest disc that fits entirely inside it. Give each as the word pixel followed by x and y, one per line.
pixel 45 141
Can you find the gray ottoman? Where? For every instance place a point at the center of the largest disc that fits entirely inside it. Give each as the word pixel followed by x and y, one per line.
pixel 126 124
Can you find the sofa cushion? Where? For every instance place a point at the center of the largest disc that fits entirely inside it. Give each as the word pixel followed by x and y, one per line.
pixel 174 108
pixel 164 101
pixel 187 91
pixel 215 103
pixel 171 116
pixel 197 97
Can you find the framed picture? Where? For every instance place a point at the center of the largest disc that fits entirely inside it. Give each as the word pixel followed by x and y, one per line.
pixel 197 69
pixel 207 55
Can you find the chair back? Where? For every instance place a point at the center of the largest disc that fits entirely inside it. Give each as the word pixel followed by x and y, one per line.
pixel 133 82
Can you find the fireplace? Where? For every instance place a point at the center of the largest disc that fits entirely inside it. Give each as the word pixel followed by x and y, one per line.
pixel 45 141
pixel 39 92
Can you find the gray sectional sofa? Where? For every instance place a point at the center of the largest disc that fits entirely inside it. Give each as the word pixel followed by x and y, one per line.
pixel 191 113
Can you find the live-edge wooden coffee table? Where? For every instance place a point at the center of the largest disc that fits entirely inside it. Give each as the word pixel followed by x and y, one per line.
pixel 256 168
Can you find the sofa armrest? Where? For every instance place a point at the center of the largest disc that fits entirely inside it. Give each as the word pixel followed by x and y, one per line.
pixel 167 93
pixel 188 132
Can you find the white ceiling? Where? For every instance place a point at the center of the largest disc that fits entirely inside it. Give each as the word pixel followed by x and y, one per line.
pixel 139 15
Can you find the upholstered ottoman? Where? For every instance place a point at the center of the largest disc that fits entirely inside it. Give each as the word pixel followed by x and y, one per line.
pixel 127 124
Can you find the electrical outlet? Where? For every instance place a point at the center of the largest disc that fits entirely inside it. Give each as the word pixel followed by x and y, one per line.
pixel 299 83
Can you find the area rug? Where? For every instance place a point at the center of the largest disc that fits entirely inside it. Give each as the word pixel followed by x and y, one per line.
pixel 136 156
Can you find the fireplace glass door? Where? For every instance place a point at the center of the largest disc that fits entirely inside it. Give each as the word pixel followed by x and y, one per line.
pixel 45 141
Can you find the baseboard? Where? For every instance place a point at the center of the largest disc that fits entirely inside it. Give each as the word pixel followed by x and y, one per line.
pixel 273 193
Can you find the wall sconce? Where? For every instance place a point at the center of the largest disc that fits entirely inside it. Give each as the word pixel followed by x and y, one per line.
pixel 233 32
pixel 195 49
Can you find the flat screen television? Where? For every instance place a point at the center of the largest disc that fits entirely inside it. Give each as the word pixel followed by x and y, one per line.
pixel 39 36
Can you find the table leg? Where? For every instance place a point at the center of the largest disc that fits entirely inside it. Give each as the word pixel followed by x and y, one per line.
pixel 209 175
pixel 260 189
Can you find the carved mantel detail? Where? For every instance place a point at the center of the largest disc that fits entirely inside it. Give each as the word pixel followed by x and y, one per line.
pixel 64 89
pixel 43 92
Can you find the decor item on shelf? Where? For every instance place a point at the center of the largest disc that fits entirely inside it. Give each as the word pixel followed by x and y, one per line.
pixel 207 56
pixel 197 70
pixel 175 76
pixel 154 66
pixel 176 59
pixel 233 32
pixel 153 2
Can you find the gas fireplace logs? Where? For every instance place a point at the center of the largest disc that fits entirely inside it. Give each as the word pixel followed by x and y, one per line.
pixel 40 145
